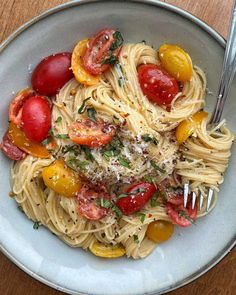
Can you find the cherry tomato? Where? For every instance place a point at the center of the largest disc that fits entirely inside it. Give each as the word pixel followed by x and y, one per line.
pixel 36 118
pixel 52 73
pixel 11 150
pixel 88 207
pixel 187 127
pixel 19 139
pixel 157 84
pixel 160 231
pixel 180 215
pixel 176 62
pixel 107 251
pixel 103 50
pixel 137 197
pixel 81 75
pixel 89 133
pixel 62 179
pixel 15 109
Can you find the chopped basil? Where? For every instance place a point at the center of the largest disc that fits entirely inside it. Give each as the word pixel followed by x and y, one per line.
pixel 104 203
pixel 148 138
pixel 112 59
pixel 46 141
pixel 62 136
pixel 135 192
pixel 118 41
pixel 110 153
pixel 91 114
pixel 81 109
pixel 183 214
pixel 136 240
pixel 156 167
pixel 124 162
pixel 76 163
pixel 142 216
pixel 148 178
pixel 88 154
pixel 58 120
pixel 51 132
pixel 154 202
pixel 116 210
pixel 36 225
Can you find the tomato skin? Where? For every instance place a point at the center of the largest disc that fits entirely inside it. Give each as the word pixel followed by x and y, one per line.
pixel 98 50
pixel 174 209
pixel 158 86
pixel 16 105
pixel 52 73
pixel 11 150
pixel 87 203
pixel 160 231
pixel 36 118
pixel 92 134
pixel 133 203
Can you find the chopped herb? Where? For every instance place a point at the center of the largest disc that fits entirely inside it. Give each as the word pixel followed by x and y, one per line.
pixel 110 153
pixel 124 162
pixel 116 143
pixel 142 216
pixel 88 154
pixel 135 192
pixel 91 114
pixel 58 120
pixel 183 214
pixel 51 132
pixel 148 138
pixel 118 41
pixel 104 203
pixel 62 136
pixel 116 210
pixel 81 109
pixel 20 208
pixel 156 167
pixel 112 59
pixel 136 240
pixel 154 202
pixel 77 163
pixel 148 178
pixel 36 225
pixel 46 141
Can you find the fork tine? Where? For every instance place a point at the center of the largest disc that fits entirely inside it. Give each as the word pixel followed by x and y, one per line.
pixel 201 201
pixel 186 190
pixel 209 199
pixel 194 196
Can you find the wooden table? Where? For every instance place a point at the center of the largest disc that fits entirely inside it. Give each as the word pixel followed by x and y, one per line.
pixel 219 281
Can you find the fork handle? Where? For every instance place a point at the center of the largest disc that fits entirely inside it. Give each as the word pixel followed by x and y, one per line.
pixel 228 70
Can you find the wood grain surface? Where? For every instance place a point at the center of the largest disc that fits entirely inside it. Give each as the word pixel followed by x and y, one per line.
pixel 221 280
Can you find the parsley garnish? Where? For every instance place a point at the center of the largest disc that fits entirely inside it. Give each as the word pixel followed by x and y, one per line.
pixel 36 225
pixel 81 109
pixel 58 120
pixel 104 203
pixel 77 163
pixel 46 141
pixel 124 162
pixel 91 114
pixel 116 210
pixel 112 59
pixel 62 136
pixel 118 41
pixel 51 132
pixel 156 167
pixel 110 153
pixel 136 240
pixel 183 214
pixel 88 154
pixel 154 198
pixel 148 138
pixel 142 216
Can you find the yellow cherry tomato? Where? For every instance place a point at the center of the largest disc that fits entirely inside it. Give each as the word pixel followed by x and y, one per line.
pixel 159 231
pixel 62 179
pixel 77 65
pixel 187 127
pixel 176 62
pixel 19 138
pixel 107 251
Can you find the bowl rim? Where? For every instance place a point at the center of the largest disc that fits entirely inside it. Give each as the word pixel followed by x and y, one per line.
pixel 205 27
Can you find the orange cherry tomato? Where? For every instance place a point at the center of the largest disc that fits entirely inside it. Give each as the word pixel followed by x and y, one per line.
pixel 176 62
pixel 16 105
pixel 160 231
pixel 81 75
pixel 187 127
pixel 92 134
pixel 19 139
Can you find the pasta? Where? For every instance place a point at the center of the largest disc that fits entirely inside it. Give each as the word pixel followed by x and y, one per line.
pixel 118 99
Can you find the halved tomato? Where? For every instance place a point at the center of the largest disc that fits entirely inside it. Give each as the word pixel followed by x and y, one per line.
pixel 90 133
pixel 103 50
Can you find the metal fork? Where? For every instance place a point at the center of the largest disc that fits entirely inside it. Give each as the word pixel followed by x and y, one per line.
pixel 227 75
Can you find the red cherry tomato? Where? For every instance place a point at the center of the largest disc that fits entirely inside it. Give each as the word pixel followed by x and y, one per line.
pixel 11 150
pixel 88 207
pixel 103 50
pixel 15 109
pixel 52 73
pixel 157 84
pixel 93 134
pixel 137 197
pixel 180 215
pixel 36 118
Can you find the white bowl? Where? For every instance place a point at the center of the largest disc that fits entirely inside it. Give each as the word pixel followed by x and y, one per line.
pixel 191 251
